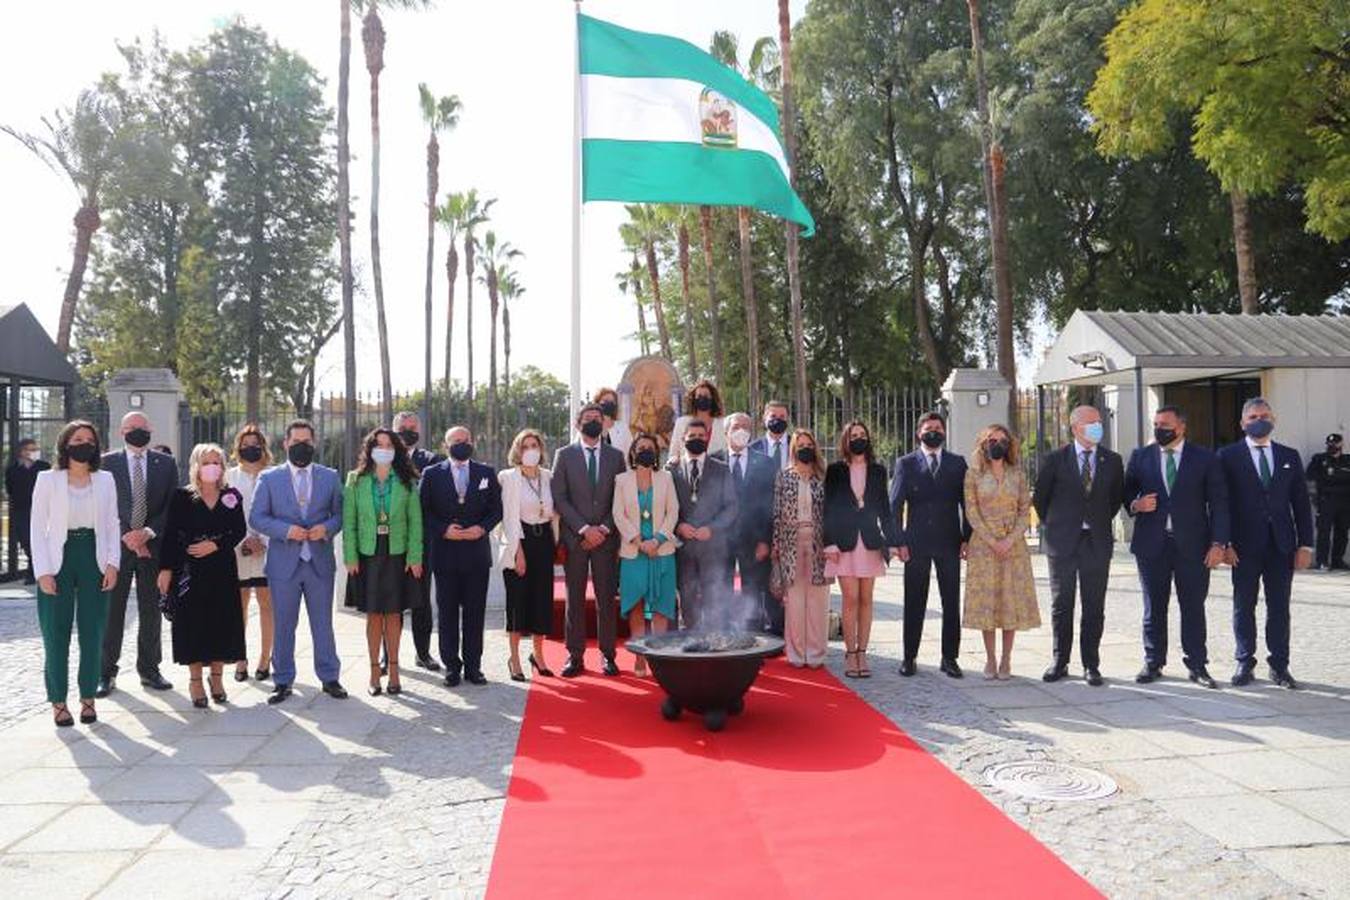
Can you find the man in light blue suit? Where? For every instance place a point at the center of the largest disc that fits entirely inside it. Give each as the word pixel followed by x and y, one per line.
pixel 298 505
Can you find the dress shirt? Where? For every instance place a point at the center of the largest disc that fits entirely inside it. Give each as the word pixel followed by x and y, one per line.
pixel 770 441
pixel 1162 467
pixel 1268 449
pixel 736 460
pixel 1091 450
pixel 136 460
pixel 529 501
pixel 932 460
pixel 591 448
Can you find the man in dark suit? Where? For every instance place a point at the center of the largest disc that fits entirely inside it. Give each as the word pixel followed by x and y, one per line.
pixel 461 504
pixel 707 517
pixel 928 498
pixel 1179 498
pixel 753 475
pixel 583 494
pixel 409 429
pixel 774 442
pixel 145 483
pixel 20 479
pixel 1272 536
pixel 1329 473
pixel 1079 490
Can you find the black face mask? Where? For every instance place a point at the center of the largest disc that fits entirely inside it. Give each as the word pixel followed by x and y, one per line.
pixel 1334 449
pixel 858 446
pixel 703 403
pixel 250 454
pixel 997 449
pixel 696 446
pixel 592 428
pixel 138 437
pixel 933 439
pixel 409 437
pixel 609 408
pixel 646 459
pixel 806 455
pixel 776 425
pixel 300 454
pixel 82 453
pixel 461 451
pixel 1164 436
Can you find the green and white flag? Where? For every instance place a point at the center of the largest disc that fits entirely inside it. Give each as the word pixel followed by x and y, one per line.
pixel 664 122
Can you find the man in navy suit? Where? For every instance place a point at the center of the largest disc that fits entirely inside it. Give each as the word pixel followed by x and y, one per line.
pixel 1177 493
pixel 753 475
pixel 928 498
pixel 774 442
pixel 461 504
pixel 1272 535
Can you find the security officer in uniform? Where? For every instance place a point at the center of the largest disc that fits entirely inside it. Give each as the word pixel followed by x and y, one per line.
pixel 1330 472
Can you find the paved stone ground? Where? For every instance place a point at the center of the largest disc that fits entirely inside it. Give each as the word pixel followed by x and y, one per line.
pixel 1244 793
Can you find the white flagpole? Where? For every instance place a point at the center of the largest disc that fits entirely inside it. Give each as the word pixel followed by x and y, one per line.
pixel 576 215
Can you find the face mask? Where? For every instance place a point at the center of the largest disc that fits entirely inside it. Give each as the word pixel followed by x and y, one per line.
pixel 738 438
pixel 776 425
pixel 300 454
pixel 997 449
pixel 609 408
pixel 209 473
pixel 1333 449
pixel 933 439
pixel 696 446
pixel 34 456
pixel 138 437
pixel 530 457
pixel 806 455
pixel 461 451
pixel 250 454
pixel 382 456
pixel 1092 432
pixel 1164 436
pixel 1259 428
pixel 592 428
pixel 646 458
pixel 82 453
pixel 858 446
pixel 409 437
pixel 703 403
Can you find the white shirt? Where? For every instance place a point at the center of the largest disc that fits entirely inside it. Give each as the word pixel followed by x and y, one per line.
pixel 688 464
pixel 932 459
pixel 736 459
pixel 82 512
pixel 770 441
pixel 136 460
pixel 530 502
pixel 1256 451
pixel 237 477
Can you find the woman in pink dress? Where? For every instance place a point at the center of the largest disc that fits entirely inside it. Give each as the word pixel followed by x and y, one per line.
pixel 859 532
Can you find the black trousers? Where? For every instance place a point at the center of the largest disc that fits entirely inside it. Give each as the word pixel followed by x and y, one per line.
pixel 601 566
pixel 148 649
pixel 20 522
pixel 1083 571
pixel 1333 529
pixel 422 620
pixel 1260 567
pixel 461 604
pixel 917 572
pixel 758 605
pixel 1156 576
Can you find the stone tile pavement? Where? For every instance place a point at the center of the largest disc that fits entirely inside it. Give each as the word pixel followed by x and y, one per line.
pixel 1239 792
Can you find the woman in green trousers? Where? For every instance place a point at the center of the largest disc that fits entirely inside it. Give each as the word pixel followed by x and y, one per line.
pixel 76 549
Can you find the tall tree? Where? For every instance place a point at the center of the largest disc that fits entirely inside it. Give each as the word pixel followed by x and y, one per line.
pixel 80 143
pixel 372 39
pixel 495 261
pixel 631 279
pixel 511 290
pixel 474 214
pixel 680 218
pixel 344 225
pixel 705 226
pixel 801 390
pixel 646 229
pixel 438 114
pixel 451 216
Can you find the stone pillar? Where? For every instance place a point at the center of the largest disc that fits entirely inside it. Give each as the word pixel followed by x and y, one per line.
pixel 156 393
pixel 974 399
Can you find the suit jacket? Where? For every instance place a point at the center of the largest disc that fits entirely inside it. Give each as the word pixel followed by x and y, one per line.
pixel 441 508
pixel 665 513
pixel 754 500
pixel 930 511
pixel 761 445
pixel 715 507
pixel 578 503
pixel 1198 503
pixel 514 492
pixel 161 478
pixel 845 522
pixel 1282 510
pixel 1062 506
pixel 20 481
pixel 276 509
pixel 47 531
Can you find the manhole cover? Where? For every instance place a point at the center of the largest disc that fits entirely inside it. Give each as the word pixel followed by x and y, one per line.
pixel 1050 781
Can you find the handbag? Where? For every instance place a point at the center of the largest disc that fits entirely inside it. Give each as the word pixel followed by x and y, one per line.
pixel 171 602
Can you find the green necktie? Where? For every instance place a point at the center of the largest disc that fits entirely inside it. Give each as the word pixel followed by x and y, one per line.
pixel 778 454
pixel 1265 467
pixel 1171 469
pixel 591 469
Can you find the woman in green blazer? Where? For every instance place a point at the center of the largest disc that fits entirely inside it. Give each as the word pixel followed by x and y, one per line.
pixel 382 546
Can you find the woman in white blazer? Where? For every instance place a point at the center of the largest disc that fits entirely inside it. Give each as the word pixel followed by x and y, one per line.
pixel 646 511
pixel 77 546
pixel 529 536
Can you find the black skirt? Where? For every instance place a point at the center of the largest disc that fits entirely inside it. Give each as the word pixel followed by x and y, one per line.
pixel 383 584
pixel 529 600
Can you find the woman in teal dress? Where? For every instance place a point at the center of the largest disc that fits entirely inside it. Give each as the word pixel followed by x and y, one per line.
pixel 646 511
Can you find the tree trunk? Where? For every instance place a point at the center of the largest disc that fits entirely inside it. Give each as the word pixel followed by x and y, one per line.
pixel 468 315
pixel 433 167
pixel 257 267
pixel 492 359
pixel 751 313
pixel 643 341
pixel 345 234
pixel 705 228
pixel 653 272
pixel 87 222
pixel 506 349
pixel 451 273
pixel 372 31
pixel 794 275
pixel 918 262
pixel 1246 257
pixel 690 352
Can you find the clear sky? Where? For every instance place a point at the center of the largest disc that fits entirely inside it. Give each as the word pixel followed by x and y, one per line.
pixel 510 62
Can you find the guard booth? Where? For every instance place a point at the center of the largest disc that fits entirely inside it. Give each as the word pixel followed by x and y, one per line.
pixel 37 385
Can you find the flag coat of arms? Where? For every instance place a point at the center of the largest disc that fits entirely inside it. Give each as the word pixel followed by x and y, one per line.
pixel 664 122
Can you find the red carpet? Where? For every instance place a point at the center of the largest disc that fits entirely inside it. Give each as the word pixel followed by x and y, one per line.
pixel 810 793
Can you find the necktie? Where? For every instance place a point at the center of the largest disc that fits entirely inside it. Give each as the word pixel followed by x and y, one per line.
pixel 461 481
pixel 693 478
pixel 737 471
pixel 138 510
pixel 302 497
pixel 592 467
pixel 1265 467
pixel 778 454
pixel 1087 471
pixel 1171 469
pixel 932 464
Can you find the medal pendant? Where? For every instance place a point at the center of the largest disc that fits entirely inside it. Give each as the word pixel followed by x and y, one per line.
pixel 646 514
pixel 381 529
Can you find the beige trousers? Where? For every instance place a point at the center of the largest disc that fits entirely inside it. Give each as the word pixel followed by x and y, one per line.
pixel 806 610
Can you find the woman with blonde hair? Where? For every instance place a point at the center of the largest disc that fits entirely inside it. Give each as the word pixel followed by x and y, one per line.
pixel 529 536
pixel 251 456
pixel 798 552
pixel 1000 591
pixel 199 575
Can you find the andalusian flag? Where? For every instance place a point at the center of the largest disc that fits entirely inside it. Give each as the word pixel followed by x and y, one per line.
pixel 664 122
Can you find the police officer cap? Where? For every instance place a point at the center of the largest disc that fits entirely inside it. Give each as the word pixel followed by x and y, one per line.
pixel 1333 438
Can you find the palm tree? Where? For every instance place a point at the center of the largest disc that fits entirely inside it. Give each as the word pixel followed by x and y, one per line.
pixel 511 289
pixel 646 228
pixel 475 213
pixel 680 217
pixel 451 217
pixel 345 234
pixel 82 144
pixel 632 278
pixel 705 226
pixel 438 114
pixel 794 276
pixel 495 258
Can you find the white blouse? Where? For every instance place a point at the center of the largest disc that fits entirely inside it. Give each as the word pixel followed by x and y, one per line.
pixel 249 566
pixel 536 499
pixel 83 512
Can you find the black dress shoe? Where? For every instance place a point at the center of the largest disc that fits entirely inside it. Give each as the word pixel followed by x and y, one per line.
pixel 1243 676
pixel 451 679
pixel 475 678
pixel 279 694
pixel 1055 673
pixel 335 690
pixel 426 662
pixel 573 668
pixel 1201 676
pixel 907 667
pixel 544 671
pixel 1092 677
pixel 1148 674
pixel 951 669
pixel 106 686
pixel 156 682
pixel 610 667
pixel 262 674
pixel 1283 678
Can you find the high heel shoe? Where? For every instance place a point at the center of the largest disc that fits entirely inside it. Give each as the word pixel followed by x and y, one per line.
pixel 1005 670
pixel 513 666
pixel 395 685
pixel 198 702
pixel 543 670
pixel 61 715
pixel 218 696
pixel 375 690
pixel 241 673
pixel 860 661
pixel 88 715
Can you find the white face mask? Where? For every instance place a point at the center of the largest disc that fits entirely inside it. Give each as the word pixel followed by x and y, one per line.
pixel 530 456
pixel 382 456
pixel 209 473
pixel 738 438
pixel 33 455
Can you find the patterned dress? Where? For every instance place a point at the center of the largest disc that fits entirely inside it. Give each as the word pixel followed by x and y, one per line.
pixel 1000 593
